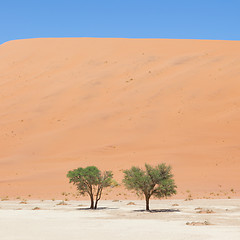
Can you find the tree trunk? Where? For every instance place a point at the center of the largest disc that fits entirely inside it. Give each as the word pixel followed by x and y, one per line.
pixel 96 202
pixel 147 203
pixel 92 202
pixel 98 196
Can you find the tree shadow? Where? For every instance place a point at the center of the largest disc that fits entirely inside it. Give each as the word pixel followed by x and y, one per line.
pixel 158 210
pixel 99 208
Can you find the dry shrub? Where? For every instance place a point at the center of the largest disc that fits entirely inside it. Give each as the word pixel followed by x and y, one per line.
pixel 62 203
pixel 204 211
pixel 198 223
pixel 36 208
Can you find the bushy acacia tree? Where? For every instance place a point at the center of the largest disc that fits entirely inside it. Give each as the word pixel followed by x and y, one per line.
pixel 91 181
pixel 154 181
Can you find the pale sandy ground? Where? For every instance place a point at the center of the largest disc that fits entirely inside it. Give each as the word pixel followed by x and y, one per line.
pixel 114 103
pixel 117 220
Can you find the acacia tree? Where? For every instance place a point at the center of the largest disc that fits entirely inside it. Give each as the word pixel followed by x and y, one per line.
pixel 91 181
pixel 154 181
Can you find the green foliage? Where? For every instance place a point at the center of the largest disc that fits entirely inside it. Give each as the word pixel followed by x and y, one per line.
pixel 90 180
pixel 154 181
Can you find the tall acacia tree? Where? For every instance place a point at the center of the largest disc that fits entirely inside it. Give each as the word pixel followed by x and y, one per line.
pixel 154 181
pixel 91 181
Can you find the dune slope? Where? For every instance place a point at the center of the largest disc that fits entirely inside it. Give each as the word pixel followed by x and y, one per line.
pixel 115 103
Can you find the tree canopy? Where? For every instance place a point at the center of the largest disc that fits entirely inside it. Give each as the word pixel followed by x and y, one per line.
pixel 91 181
pixel 154 181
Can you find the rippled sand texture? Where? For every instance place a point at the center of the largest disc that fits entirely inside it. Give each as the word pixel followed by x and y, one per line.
pixel 115 103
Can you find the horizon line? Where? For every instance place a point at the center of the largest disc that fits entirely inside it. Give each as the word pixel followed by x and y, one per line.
pixel 128 38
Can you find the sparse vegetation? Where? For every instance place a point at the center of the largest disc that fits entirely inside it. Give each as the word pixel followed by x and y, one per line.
pixel 154 181
pixel 62 203
pixel 5 198
pixel 24 201
pixel 198 223
pixel 189 197
pixel 36 208
pixel 204 211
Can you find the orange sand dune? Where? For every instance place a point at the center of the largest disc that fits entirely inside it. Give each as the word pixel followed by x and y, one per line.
pixel 114 103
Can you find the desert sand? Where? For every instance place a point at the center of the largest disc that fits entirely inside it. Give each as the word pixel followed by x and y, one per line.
pixel 114 103
pixel 117 220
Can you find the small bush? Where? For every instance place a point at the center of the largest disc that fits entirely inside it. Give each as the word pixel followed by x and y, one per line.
pixel 62 203
pixel 36 208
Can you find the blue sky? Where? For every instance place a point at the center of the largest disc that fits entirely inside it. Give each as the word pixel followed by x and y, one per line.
pixel 185 19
